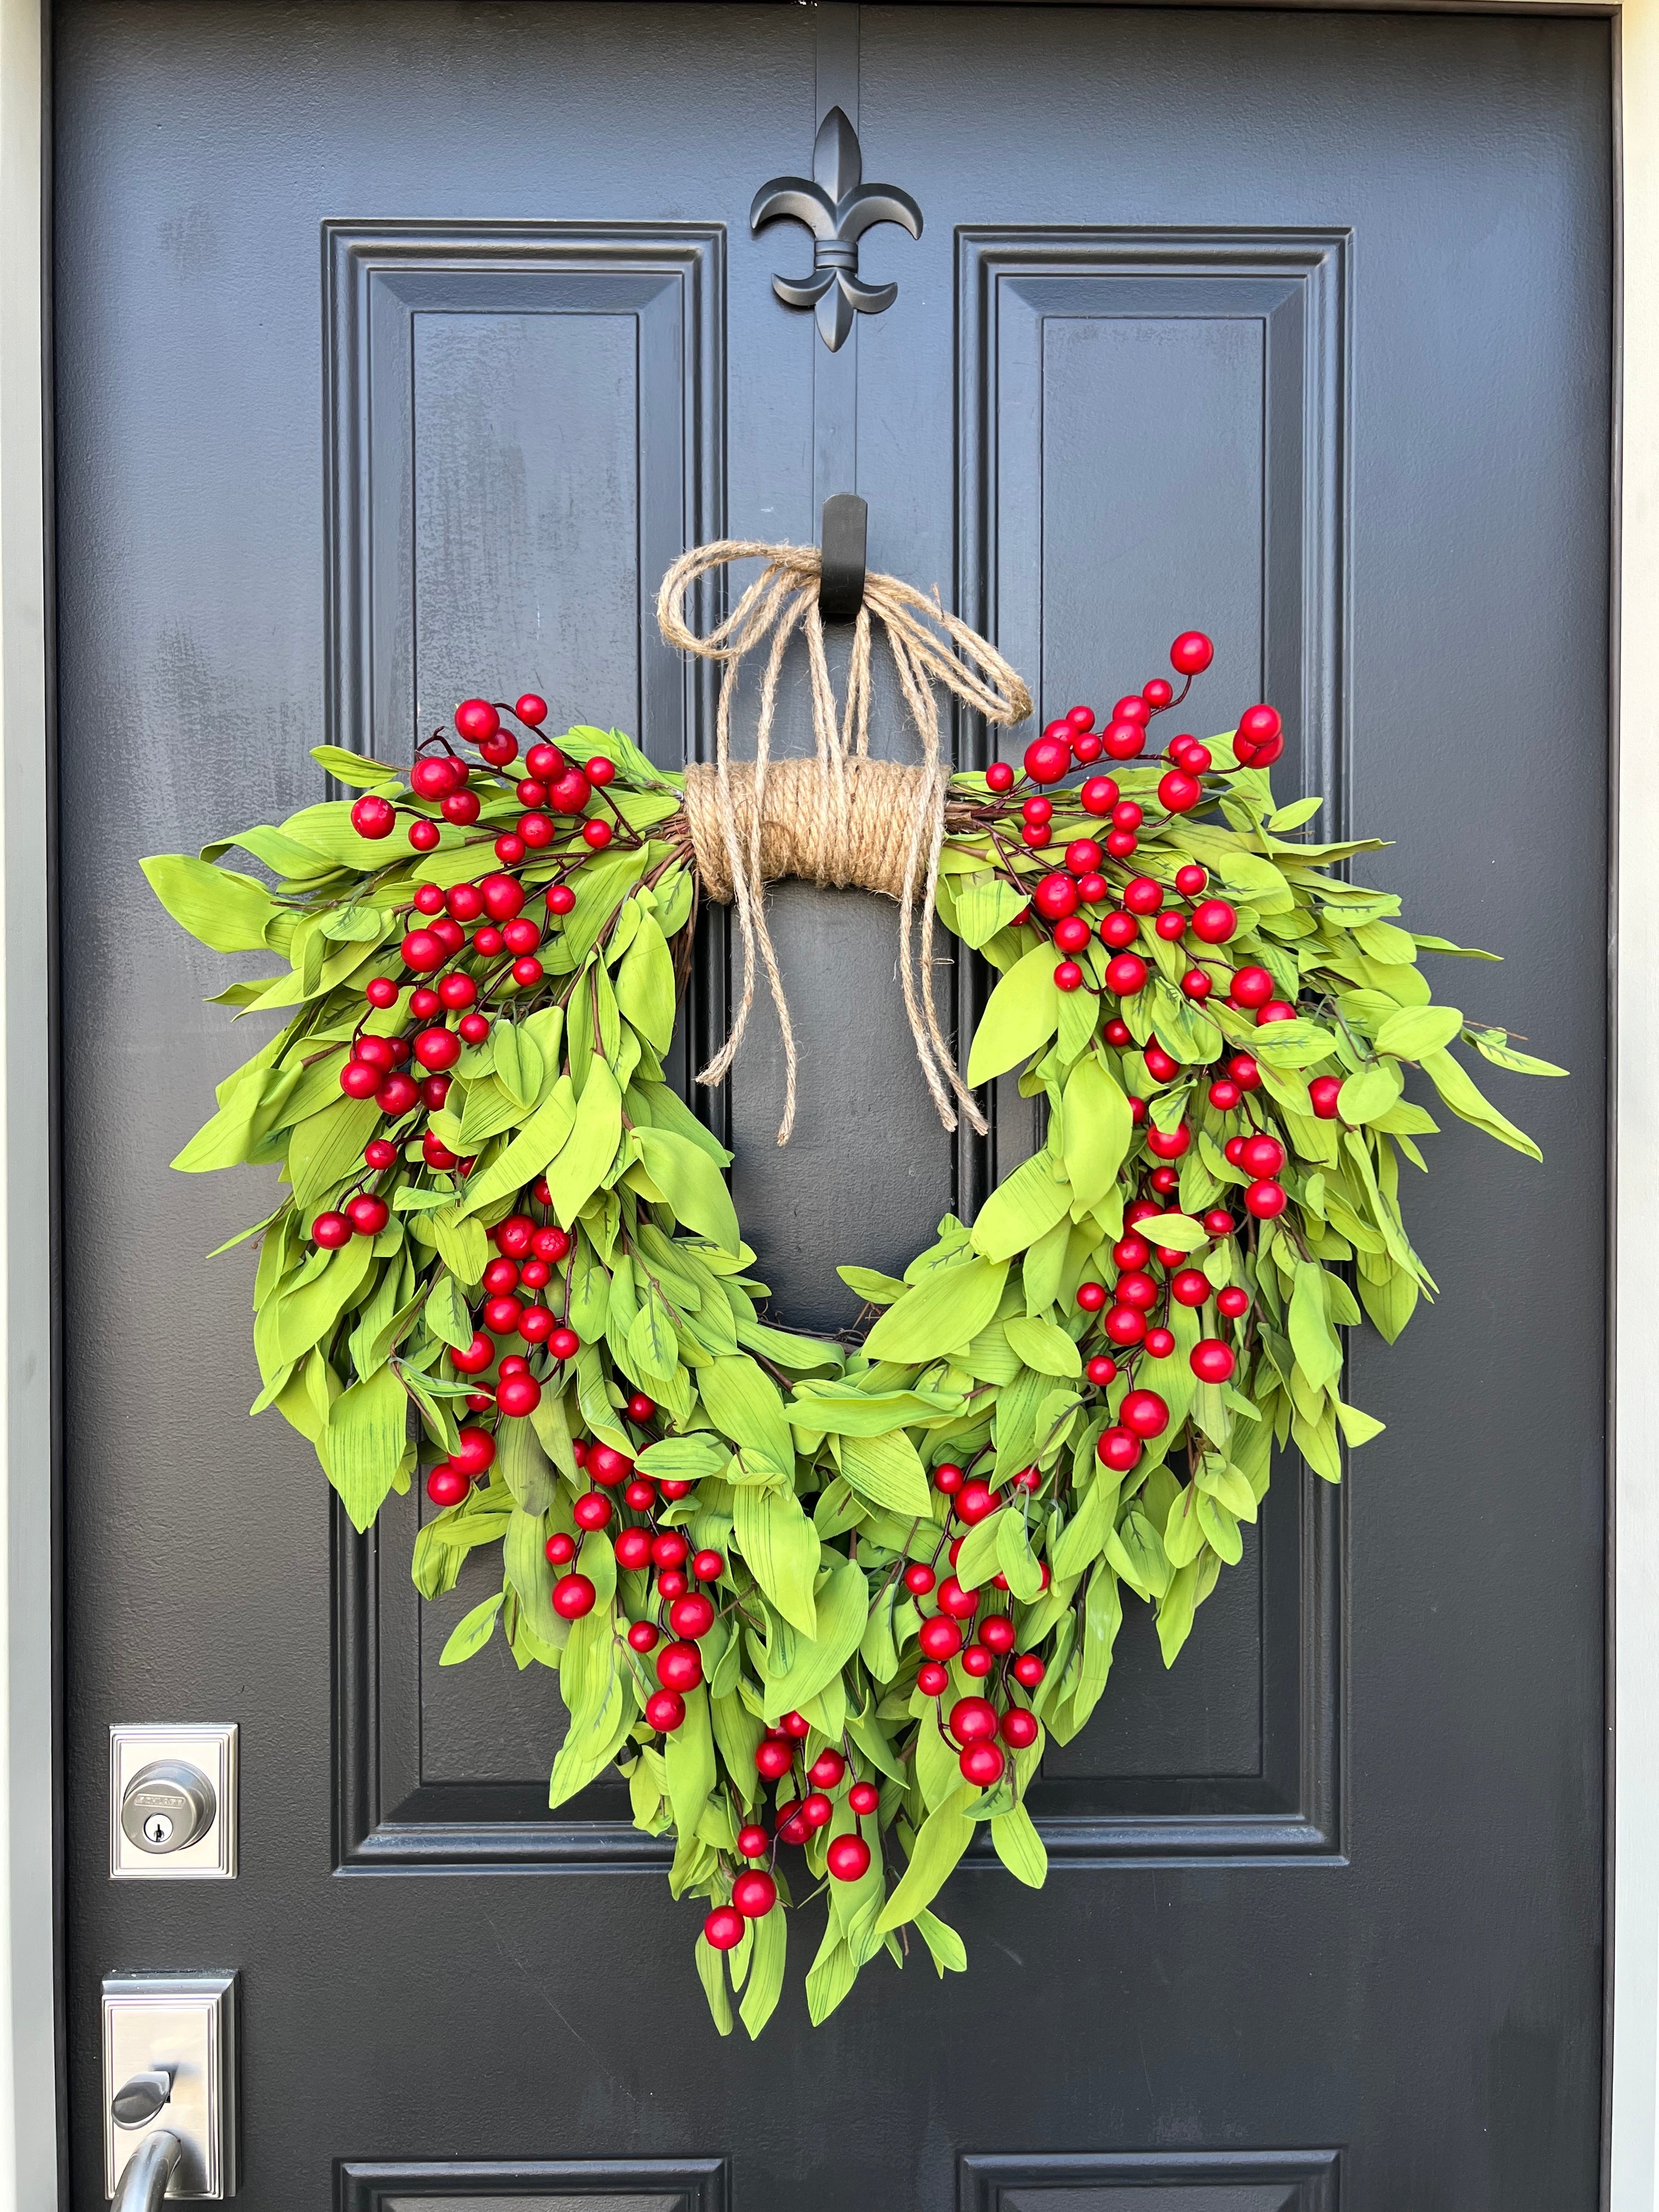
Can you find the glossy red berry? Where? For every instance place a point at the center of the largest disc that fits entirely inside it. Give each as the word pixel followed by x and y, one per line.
pixel 933 1679
pixel 1191 879
pixel 864 1797
pixel 1101 1371
pixel 1214 921
pixel 1179 792
pixel 997 1633
pixel 827 1771
pixel 1234 1302
pixel 982 1763
pixel 1046 759
pixel 1212 1360
pixel 940 1637
pixel 1276 1010
pixel 679 1666
pixel 564 1344
pixel 1124 1326
pixel 1323 1093
pixel 1245 1072
pixel 1191 654
pixel 1266 1200
pixel 754 1893
pixel 1261 1156
pixel 331 1231
pixel 973 1720
pixel 592 1510
pixel 1144 1414
pixel 373 816
pixel 1169 1144
pixel 998 776
pixel 1251 987
pixel 1159 1343
pixel 1126 975
pixel 1019 1729
pixel 773 1758
pixel 976 1660
pixel 919 1578
pixel 518 1396
pixel 561 1549
pixel 1098 795
pixel 974 1500
pixel 572 1596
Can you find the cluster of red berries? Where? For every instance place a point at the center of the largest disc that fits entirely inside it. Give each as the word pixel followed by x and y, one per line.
pixel 1059 897
pixel 442 779
pixel 754 1891
pixel 639 1544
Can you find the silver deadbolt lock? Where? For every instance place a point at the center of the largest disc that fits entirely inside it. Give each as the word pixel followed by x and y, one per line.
pixel 166 1806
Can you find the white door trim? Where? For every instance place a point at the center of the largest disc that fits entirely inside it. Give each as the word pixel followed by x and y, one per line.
pixel 29 2084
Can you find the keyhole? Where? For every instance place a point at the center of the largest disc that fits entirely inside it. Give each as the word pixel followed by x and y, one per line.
pixel 157 1828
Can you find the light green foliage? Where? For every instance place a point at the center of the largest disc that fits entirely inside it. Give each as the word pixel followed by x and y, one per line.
pixel 809 1468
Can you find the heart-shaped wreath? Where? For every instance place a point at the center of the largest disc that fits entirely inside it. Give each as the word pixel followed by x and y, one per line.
pixel 872 1578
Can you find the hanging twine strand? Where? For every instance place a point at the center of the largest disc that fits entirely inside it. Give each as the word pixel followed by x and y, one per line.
pixel 841 817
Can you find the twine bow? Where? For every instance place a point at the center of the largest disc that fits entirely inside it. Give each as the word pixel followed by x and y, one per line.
pixel 846 819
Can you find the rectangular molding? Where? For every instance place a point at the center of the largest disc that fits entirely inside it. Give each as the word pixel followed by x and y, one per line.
pixel 693 2185
pixel 1310 2180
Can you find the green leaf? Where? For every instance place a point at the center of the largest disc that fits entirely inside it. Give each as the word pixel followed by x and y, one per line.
pixel 1021 1209
pixel 1042 1345
pixel 653 1345
pixel 1019 1847
pixel 1020 1016
pixel 746 1406
pixel 1375 1090
pixel 363 1446
pixel 644 984
pixel 1457 1087
pixel 228 911
pixel 1293 816
pixel 1098 1132
pixel 711 1973
pixel 472 1632
pixel 876 1289
pixel 1357 1427
pixel 1416 1029
pixel 530 1152
pixel 583 1161
pixel 886 1471
pixel 355 769
pixel 1179 1231
pixel 985 904
pixel 692 1184
pixel 1493 1045
pixel 781 1547
pixel 947 1308
pixel 843 1608
pixel 446 1314
pixel 943 1838
pixel 950 1953
pixel 686 1459
pixel 764 1984
pixel 1313 1339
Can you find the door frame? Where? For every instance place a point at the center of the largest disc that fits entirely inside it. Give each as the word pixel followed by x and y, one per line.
pixel 31 1999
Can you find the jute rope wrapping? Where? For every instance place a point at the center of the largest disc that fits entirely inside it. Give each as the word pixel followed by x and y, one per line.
pixel 841 817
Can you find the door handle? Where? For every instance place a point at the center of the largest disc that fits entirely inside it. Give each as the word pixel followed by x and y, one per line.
pixel 147 2174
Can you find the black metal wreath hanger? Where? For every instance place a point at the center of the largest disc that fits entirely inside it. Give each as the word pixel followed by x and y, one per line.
pixel 843 538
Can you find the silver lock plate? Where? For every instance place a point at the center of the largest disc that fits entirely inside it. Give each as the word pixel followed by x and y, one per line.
pixel 173 1802
pixel 183 2025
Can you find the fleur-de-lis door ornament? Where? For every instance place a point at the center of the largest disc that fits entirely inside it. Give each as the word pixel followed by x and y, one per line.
pixel 837 207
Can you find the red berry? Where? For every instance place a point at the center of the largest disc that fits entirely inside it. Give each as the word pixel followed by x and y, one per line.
pixel 933 1679
pixel 437 1048
pixel 864 1797
pixel 1118 1450
pixel 518 1396
pixel 1259 726
pixel 1276 1010
pixel 773 1759
pixel 1212 1360
pixel 1233 1302
pixel 1252 986
pixel 596 834
pixel 1214 921
pixel 1189 1288
pixel 1261 1156
pixel 669 1549
pixel 919 1578
pixel 1144 1414
pixel 331 1231
pixel 422 952
pixel 1265 1199
pixel 1048 759
pixel 1126 975
pixel 982 1763
pixel 973 1720
pixel 948 1477
pixel 1157 693
pixel 1178 791
pixel 592 1510
pixel 1101 1371
pixel 974 1500
pixel 751 1841
pixel 826 1769
pixel 754 1894
pixel 997 1633
pixel 1019 1728
pixel 692 1616
pixel 679 1666
pixel 1169 1144
pixel 1191 879
pixel 723 1929
pixel 1191 654
pixel 1159 1343
pixel 572 1596
pixel 1083 857
pixel 1245 1072
pixel 373 816
pixel 1323 1095
pixel 1224 1096
pixel 503 896
pixel 961 1604
pixel 1124 1326
pixel 998 776
pixel 1121 740
pixel 940 1637
pixel 564 1344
